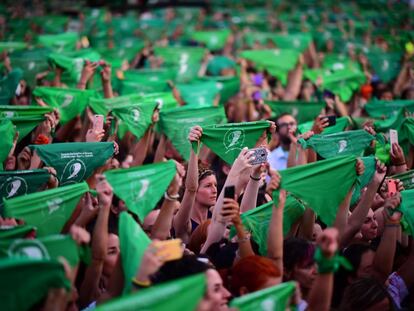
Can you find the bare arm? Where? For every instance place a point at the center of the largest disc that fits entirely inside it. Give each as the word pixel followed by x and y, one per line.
pixel 106 80
pixel 295 81
pixel 342 214
pixel 140 150
pixel 250 195
pixel 160 152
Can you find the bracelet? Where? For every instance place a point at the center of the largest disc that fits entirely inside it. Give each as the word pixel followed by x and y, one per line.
pixel 171 197
pixel 330 265
pixel 255 178
pixel 140 284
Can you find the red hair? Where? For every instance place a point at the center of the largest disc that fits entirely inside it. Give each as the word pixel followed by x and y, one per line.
pixel 252 272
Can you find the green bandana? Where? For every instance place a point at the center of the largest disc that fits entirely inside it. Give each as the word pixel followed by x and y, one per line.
pixel 257 221
pixel 321 186
pixel 133 242
pixel 145 81
pixel 17 232
pixel 48 210
pixel 105 105
pixel 11 46
pixel 276 298
pixel 385 65
pixel 74 162
pixel 49 247
pixel 407 178
pixel 227 140
pixel 364 179
pixel 7 132
pixel 213 40
pixel 302 111
pixel 186 293
pixel 341 124
pixel 25 118
pixel 342 143
pixel 8 86
pixel 382 108
pixel 174 56
pixel 61 42
pixel 17 183
pixel 176 124
pixel 142 187
pixel 295 42
pixel 227 86
pixel 407 208
pixel 219 63
pixel 20 292
pixel 200 93
pixel 70 102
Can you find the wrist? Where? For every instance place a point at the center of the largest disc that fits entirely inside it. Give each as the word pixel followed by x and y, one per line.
pixel 172 197
pixel 255 177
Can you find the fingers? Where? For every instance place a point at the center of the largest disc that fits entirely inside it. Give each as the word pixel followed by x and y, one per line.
pixel 195 133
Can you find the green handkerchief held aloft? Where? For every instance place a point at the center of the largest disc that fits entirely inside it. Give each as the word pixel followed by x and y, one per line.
pixel 213 40
pixel 21 292
pixel 276 298
pixel 133 243
pixel 340 126
pixel 407 208
pixel 200 93
pixel 48 210
pixel 7 132
pixel 322 185
pixel 74 162
pixel 301 110
pixel 342 143
pixel 186 293
pixel 176 124
pixel 8 85
pixel 227 140
pixel 143 186
pixel 70 102
pixel 364 179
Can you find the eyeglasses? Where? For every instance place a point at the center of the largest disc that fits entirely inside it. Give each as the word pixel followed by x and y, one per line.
pixel 291 124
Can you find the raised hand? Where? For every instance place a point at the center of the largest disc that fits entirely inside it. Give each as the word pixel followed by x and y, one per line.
pixel 328 242
pixel 195 134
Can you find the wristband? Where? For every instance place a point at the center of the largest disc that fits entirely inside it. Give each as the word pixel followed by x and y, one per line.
pixel 330 265
pixel 171 197
pixel 140 284
pixel 255 178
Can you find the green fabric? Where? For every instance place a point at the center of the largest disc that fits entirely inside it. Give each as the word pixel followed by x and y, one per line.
pixel 301 110
pixel 176 124
pixel 10 46
pixel 48 210
pixel 180 55
pixel 165 100
pixel 382 152
pixel 7 132
pixel 385 65
pixel 61 42
pixel 46 248
pixel 17 232
pixel 382 108
pixel 70 102
pixel 74 162
pixel 364 179
pixel 219 63
pixel 342 82
pixel 145 81
pixel 407 208
pixel 297 41
pixel 342 143
pixel 214 39
pixel 227 140
pixel 277 62
pixel 257 221
pixel 142 187
pixel 407 178
pixel 25 118
pixel 227 86
pixel 17 183
pixel 276 298
pixel 8 85
pixel 200 93
pixel 341 124
pixel 183 294
pixel 321 186
pixel 133 243
pixel 105 105
pixel 20 292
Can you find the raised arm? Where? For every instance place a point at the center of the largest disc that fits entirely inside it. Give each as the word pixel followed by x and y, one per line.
pixel 106 80
pixel 250 195
pixel 295 81
pixel 181 221
pixel 88 71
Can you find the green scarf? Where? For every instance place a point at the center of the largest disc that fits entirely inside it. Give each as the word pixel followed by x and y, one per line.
pixel 176 124
pixel 201 93
pixel 364 179
pixel 321 186
pixel 227 140
pixel 142 187
pixel 62 42
pixel 133 242
pixel 385 65
pixel 48 210
pixel 407 208
pixel 382 108
pixel 17 232
pixel 8 85
pixel 213 40
pixel 7 132
pixel 227 86
pixel 341 124
pixel 301 110
pixel 74 162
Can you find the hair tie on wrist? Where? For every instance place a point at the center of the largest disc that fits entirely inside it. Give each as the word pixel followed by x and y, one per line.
pixel 255 178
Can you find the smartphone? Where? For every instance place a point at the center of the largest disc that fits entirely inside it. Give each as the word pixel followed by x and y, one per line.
pixel 169 250
pixel 260 155
pixel 392 187
pixel 331 120
pixel 393 137
pixel 229 192
pixel 98 121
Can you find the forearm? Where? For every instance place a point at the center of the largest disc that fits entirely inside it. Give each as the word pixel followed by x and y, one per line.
pixel 320 294
pixel 342 214
pixel 139 151
pixel 291 162
pixel 307 224
pixel 162 226
pixel 384 256
pixel 107 89
pixel 250 195
pixel 100 234
pixel 294 83
pixel 160 152
pixel 275 237
pixel 245 247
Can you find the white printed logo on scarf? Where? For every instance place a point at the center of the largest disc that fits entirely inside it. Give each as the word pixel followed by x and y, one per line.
pixel 28 248
pixel 134 114
pixel 73 172
pixel 342 145
pixel 14 186
pixel 234 139
pixel 53 205
pixel 66 100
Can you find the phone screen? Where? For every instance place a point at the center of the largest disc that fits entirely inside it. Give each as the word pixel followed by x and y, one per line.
pixel 98 122
pixel 229 192
pixel 393 137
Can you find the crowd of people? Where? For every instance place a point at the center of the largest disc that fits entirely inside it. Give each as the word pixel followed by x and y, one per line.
pixel 228 155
